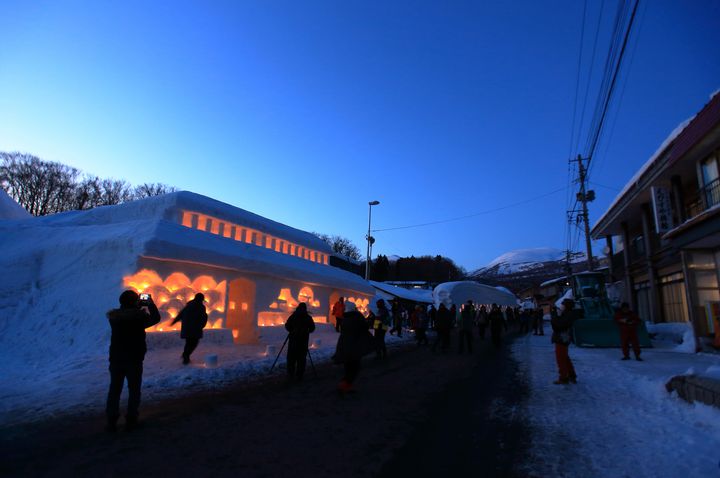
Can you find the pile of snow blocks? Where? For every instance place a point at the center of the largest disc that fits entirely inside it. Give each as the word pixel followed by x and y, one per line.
pixel 695 388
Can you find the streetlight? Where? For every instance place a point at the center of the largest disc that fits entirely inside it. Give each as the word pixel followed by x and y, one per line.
pixel 369 238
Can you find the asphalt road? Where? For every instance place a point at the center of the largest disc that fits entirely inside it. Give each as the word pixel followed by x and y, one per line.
pixel 414 414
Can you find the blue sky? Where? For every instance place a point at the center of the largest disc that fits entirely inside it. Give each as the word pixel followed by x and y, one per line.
pixel 305 111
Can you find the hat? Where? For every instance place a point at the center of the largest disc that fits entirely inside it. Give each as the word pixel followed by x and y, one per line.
pixel 350 306
pixel 128 299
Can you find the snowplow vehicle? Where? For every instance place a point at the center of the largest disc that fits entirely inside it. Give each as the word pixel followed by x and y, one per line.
pixel 596 326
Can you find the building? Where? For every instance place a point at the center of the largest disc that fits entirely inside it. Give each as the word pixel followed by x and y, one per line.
pixel 253 271
pixel 663 230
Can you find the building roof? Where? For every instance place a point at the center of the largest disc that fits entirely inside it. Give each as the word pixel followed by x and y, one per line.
pixel 414 295
pixel 686 135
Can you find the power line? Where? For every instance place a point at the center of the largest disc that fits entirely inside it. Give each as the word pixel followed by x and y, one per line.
pixel 618 64
pixel 519 203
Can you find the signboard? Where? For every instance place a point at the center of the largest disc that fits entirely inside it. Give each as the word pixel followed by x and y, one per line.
pixel 662 209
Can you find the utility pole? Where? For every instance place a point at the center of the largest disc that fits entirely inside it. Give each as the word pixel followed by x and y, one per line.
pixel 584 197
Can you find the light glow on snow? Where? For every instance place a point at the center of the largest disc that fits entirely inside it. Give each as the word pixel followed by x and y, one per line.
pixel 213 225
pixel 171 294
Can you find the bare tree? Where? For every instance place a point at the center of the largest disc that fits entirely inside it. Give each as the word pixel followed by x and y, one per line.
pixel 41 187
pixel 114 191
pixel 147 190
pixel 341 245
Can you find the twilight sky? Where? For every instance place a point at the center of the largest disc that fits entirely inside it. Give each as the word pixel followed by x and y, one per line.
pixel 305 111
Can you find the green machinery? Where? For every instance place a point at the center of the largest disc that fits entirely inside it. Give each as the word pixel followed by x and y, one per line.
pixel 596 326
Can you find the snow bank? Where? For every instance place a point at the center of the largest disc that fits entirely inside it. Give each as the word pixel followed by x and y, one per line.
pixel 618 420
pixel 679 335
pixel 9 209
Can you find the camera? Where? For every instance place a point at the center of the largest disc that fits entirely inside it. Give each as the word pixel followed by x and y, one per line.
pixel 144 299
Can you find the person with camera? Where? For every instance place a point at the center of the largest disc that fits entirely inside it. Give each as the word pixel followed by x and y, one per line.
pixel 299 325
pixel 562 336
pixel 193 320
pixel 127 353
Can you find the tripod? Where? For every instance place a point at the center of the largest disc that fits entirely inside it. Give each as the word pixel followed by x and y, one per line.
pixel 312 365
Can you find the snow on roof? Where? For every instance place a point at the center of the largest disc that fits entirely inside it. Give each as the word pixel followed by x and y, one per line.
pixel 665 147
pixel 461 291
pixel 415 295
pixel 9 209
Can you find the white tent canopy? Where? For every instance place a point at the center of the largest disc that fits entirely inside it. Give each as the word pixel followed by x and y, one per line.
pixel 415 295
pixel 460 292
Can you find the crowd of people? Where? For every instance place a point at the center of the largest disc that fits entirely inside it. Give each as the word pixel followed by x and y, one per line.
pixel 360 335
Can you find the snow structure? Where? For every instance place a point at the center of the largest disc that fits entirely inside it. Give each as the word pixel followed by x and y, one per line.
pixel 389 292
pixel 459 292
pixel 9 209
pixel 63 272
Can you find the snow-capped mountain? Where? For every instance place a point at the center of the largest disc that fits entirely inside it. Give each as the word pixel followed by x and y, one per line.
pixel 521 260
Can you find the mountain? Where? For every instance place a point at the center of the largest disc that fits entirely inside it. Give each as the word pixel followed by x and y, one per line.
pixel 522 260
pixel 524 268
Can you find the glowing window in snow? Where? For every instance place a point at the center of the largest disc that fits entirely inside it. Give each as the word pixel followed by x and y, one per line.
pixel 172 293
pixel 229 230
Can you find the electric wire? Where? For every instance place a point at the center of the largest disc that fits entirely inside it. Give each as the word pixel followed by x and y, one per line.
pixel 618 66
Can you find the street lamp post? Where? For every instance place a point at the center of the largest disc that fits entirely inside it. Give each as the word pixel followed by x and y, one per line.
pixel 369 238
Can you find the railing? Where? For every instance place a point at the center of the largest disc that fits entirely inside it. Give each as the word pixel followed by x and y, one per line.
pixel 707 197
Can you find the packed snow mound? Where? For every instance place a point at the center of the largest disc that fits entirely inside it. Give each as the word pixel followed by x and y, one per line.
pixel 62 272
pixel 459 292
pixel 9 209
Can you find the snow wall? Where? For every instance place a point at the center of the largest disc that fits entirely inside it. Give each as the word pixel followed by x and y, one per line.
pixel 61 273
pixel 460 292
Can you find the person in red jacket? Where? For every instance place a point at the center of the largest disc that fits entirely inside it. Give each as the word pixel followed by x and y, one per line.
pixel 338 311
pixel 628 322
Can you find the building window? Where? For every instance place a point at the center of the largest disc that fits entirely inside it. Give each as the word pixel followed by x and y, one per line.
pixel 672 291
pixel 642 299
pixel 710 182
pixel 703 286
pixel 638 246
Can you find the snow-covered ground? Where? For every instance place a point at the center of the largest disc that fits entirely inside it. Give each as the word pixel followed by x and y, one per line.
pixel 79 383
pixel 618 421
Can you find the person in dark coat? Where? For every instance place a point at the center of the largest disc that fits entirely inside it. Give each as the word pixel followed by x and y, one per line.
pixel 538 322
pixel 421 325
pixel 433 315
pixel 354 342
pixel 482 321
pixel 193 319
pixel 127 353
pixel 443 324
pixel 628 321
pixel 512 317
pixel 397 317
pixel 561 337
pixel 497 324
pixel 467 323
pixel 380 326
pixel 300 325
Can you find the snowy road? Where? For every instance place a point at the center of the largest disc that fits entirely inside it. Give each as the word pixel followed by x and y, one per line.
pixel 420 413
